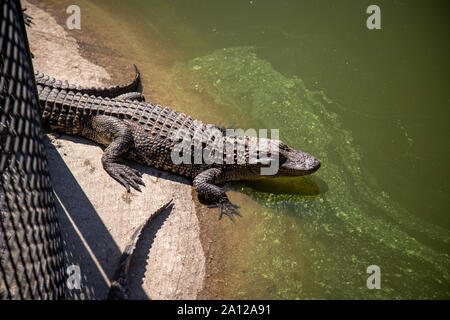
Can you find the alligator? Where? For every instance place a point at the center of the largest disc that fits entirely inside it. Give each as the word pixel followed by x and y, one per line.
pixel 144 132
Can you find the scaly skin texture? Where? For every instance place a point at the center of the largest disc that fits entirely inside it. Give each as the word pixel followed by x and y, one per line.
pixel 129 91
pixel 144 132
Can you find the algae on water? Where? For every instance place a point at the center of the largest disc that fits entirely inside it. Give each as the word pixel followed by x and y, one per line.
pixel 320 246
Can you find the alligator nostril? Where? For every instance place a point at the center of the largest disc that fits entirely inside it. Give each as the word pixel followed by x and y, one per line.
pixel 316 165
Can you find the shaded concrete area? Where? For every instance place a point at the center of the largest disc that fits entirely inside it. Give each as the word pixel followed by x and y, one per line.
pixel 97 215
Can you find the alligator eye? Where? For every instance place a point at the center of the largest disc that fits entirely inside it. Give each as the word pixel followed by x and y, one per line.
pixel 283 146
pixel 282 158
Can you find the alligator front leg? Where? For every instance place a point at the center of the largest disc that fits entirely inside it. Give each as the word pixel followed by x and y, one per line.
pixel 117 130
pixel 204 185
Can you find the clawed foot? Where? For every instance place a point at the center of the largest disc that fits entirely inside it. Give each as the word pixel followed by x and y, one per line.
pixel 126 176
pixel 27 19
pixel 227 208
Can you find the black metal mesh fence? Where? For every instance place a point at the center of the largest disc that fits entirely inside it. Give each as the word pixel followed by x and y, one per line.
pixel 31 253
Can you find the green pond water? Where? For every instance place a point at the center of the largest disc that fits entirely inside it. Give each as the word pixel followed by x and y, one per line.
pixel 372 105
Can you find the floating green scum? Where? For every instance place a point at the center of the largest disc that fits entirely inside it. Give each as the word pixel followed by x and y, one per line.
pixel 318 235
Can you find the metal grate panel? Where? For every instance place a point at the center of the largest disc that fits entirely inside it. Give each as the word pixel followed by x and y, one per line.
pixel 31 253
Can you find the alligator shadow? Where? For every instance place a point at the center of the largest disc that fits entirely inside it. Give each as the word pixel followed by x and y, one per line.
pixel 87 242
pixel 279 189
pixel 139 262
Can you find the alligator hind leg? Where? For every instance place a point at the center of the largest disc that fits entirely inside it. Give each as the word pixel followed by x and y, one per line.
pixel 119 133
pixel 27 18
pixel 204 185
